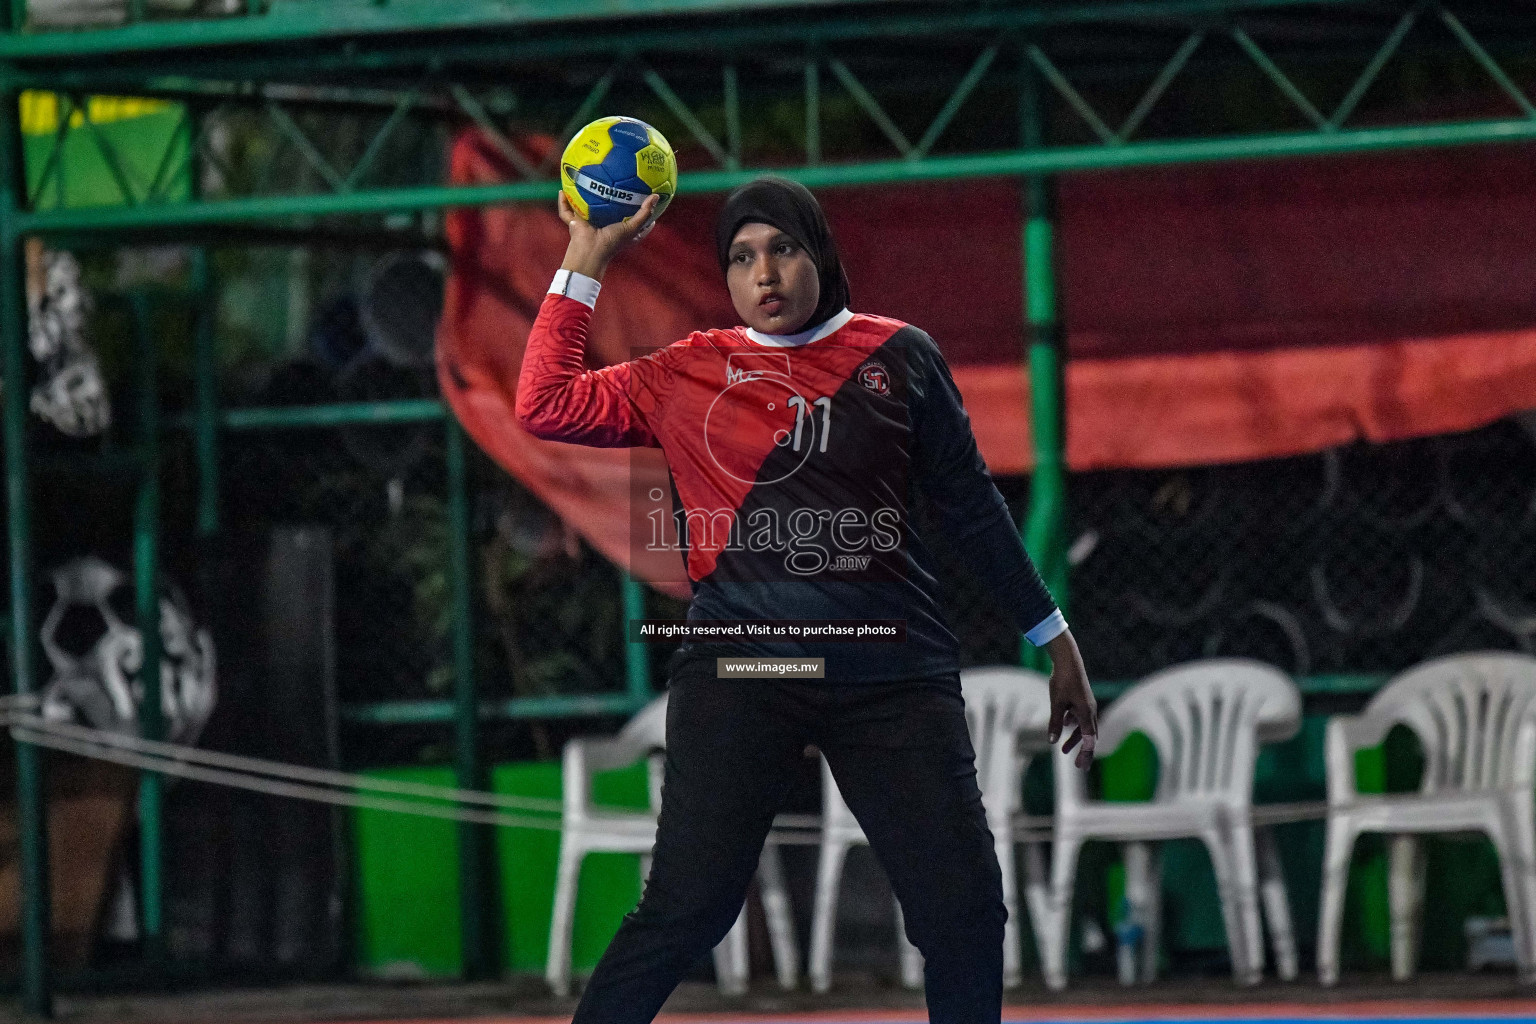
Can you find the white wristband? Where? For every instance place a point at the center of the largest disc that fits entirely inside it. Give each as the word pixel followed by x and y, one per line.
pixel 576 286
pixel 1048 629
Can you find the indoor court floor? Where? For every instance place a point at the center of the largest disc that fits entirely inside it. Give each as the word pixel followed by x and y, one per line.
pixel 1439 998
pixel 1371 1012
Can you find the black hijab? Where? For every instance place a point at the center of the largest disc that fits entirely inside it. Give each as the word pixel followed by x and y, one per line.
pixel 790 207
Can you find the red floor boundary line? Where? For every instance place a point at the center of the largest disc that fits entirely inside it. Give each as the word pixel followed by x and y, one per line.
pixel 1378 1009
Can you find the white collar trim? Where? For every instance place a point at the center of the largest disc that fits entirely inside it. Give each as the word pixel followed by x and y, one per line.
pixel 804 337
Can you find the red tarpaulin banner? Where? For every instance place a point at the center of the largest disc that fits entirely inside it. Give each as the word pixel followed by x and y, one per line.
pixel 1213 314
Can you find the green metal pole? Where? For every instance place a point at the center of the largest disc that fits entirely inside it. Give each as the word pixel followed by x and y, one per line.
pixel 205 370
pixel 476 891
pixel 732 119
pixel 637 662
pixel 403 410
pixel 1056 160
pixel 205 423
pixel 1045 530
pixel 813 108
pixel 31 804
pixel 304 27
pixel 146 582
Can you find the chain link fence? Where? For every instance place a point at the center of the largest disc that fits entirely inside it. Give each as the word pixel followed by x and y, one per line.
pixel 304 328
pixel 1365 559
pixel 546 607
pixel 1362 559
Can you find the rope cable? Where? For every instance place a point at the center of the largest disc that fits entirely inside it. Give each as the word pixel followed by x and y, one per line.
pixel 280 769
pixel 172 759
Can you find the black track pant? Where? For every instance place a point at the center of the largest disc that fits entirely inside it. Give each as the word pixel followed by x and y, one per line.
pixel 903 761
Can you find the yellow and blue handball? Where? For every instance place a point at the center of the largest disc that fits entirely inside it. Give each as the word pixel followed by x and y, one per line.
pixel 612 165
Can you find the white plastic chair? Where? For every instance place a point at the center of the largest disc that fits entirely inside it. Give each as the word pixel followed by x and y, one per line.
pixel 590 828
pixel 1475 716
pixel 1007 711
pixel 1206 720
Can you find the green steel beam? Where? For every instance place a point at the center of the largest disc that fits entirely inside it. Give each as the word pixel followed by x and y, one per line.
pixel 109 155
pixel 1485 60
pixel 476 904
pixel 1074 99
pixel 146 585
pixel 1008 163
pixel 680 110
pixel 1046 533
pixel 164 175
pixel 581 116
pixel 637 656
pixel 1367 77
pixel 205 426
pixel 290 130
pixel 445 712
pixel 1159 85
pixel 414 410
pixel 309 23
pixel 338 414
pixel 871 106
pixel 54 164
pixel 1282 82
pixel 1045 521
pixel 813 111
pixel 365 162
pixel 956 100
pixel 247 235
pixel 493 131
pixel 732 103
pixel 213 72
pixel 727 156
pixel 31 804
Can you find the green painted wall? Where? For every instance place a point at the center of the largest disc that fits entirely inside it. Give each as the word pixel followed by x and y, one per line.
pixel 407 888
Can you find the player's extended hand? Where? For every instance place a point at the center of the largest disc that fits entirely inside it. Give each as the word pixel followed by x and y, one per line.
pixel 1072 703
pixel 592 248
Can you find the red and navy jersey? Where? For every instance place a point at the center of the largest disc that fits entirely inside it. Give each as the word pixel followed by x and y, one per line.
pixel 795 470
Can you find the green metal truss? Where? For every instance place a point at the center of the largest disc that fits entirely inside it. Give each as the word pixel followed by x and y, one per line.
pixel 267 22
pixel 356 100
pixel 702 84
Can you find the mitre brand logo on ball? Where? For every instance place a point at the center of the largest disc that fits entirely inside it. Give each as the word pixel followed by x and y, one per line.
pixel 799 468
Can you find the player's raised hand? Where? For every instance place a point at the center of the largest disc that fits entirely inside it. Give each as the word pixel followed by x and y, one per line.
pixel 591 248
pixel 1072 702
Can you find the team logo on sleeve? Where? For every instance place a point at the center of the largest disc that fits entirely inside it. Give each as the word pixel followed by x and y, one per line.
pixel 874 377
